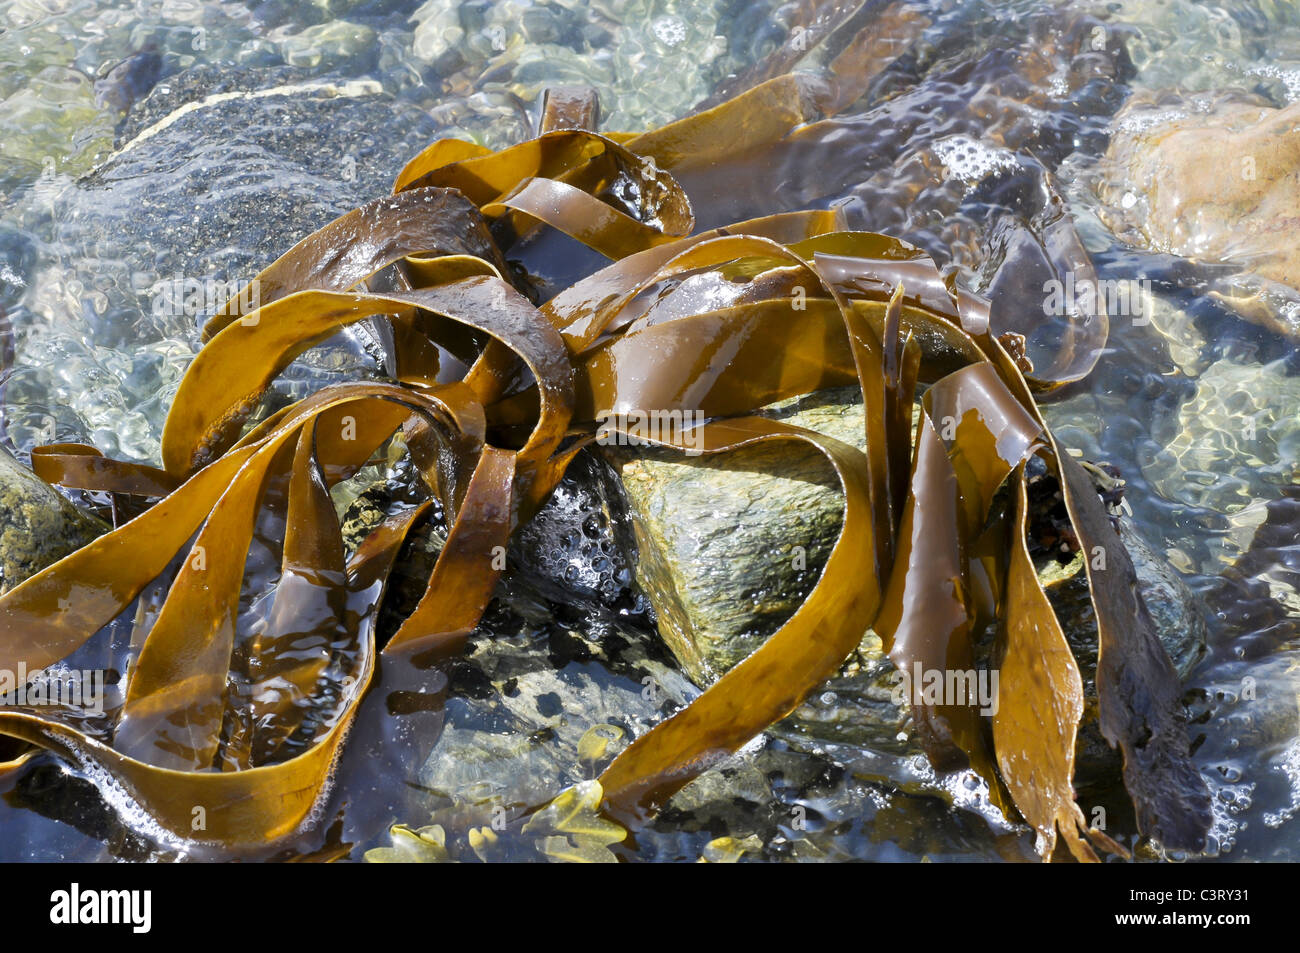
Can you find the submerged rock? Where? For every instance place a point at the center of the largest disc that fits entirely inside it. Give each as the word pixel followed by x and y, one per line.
pixel 512 50
pixel 534 698
pixel 1237 439
pixel 335 43
pixel 729 546
pixel 37 525
pixel 216 177
pixel 1214 178
pixel 53 125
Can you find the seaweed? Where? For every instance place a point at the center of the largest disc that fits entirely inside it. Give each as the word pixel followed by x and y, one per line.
pixel 492 394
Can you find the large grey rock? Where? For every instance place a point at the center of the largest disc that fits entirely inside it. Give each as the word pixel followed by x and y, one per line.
pixel 215 176
pixel 729 546
pixel 37 525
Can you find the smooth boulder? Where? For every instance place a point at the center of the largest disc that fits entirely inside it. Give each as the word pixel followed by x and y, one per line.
pixel 1214 178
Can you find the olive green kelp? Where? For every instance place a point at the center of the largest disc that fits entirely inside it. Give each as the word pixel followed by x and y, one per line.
pixel 492 394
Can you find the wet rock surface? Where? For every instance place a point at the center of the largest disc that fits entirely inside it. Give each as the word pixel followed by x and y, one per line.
pixel 728 547
pixel 1214 177
pixel 37 525
pixel 104 335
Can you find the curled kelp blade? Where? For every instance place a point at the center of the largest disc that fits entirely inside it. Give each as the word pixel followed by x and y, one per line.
pixel 902 368
pixel 972 435
pixel 421 223
pixel 863 343
pixel 987 433
pixel 470 563
pixel 866 264
pixel 82 467
pixel 771 682
pixel 1040 701
pixel 258 803
pixel 239 808
pixel 584 217
pixel 580 310
pixel 777 348
pixel 176 697
pixel 308 628
pixel 560 178
pixel 55 612
pixel 925 617
pixel 757 117
pixel 1138 690
pixel 441 153
pixel 222 385
pixel 254 807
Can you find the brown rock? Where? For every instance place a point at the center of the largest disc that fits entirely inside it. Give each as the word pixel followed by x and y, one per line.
pixel 1214 178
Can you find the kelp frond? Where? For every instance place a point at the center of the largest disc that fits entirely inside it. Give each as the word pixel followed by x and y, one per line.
pixel 493 395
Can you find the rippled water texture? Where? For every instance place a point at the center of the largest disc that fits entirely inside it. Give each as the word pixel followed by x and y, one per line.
pixel 965 112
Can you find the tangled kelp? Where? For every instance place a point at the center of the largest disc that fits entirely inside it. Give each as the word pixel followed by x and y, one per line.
pixel 241 713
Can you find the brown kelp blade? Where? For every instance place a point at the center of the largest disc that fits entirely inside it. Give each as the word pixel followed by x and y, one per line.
pixel 234 808
pixel 560 175
pixel 423 223
pixel 308 627
pixel 1040 702
pixel 176 695
pixel 973 434
pixel 82 467
pixel 924 620
pixel 56 611
pixel 176 698
pixel 1137 688
pixel 569 107
pixel 222 385
pixel 755 118
pixel 245 807
pixel 470 563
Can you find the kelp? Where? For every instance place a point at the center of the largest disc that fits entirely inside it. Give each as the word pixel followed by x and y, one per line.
pixel 492 393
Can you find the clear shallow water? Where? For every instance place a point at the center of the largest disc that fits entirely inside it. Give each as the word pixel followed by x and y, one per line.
pixel 1168 405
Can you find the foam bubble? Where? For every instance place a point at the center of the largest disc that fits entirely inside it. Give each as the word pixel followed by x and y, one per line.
pixel 1140 122
pixel 971 161
pixel 129 811
pixel 1290 78
pixel 1290 767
